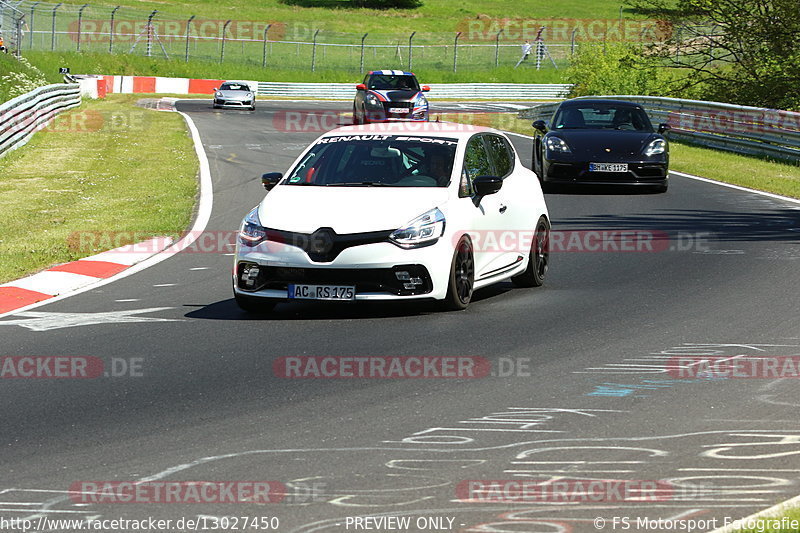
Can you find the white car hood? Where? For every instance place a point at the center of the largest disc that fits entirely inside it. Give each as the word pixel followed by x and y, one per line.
pixel 304 209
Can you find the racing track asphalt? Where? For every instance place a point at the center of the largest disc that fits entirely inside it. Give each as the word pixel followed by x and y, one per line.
pixel 589 404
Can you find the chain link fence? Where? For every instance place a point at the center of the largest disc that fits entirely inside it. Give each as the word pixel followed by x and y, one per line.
pixel 12 25
pixel 299 46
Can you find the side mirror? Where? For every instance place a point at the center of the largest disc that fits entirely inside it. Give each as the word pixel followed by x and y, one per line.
pixel 540 126
pixel 426 88
pixel 664 127
pixel 484 186
pixel 214 90
pixel 271 179
pixel 361 87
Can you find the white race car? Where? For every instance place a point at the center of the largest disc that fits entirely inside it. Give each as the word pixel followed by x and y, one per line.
pixel 394 212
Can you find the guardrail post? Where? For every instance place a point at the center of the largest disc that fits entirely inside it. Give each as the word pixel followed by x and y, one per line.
pixel 188 29
pixel 111 30
pixel 53 29
pixel 222 48
pixel 455 52
pixel 264 58
pixel 80 24
pixel 314 53
pixel 497 49
pixel 361 67
pixel 410 50
pixel 150 32
pixel 33 12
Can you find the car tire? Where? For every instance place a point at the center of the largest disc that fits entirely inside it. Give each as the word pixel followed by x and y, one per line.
pixel 252 108
pixel 658 189
pixel 253 304
pixel 538 261
pixel 356 120
pixel 462 277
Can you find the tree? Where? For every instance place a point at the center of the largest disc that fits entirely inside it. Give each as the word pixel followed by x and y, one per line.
pixel 740 51
pixel 387 4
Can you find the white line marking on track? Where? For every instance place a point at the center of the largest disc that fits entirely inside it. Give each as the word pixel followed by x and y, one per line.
pixel 128 300
pixel 165 285
pixel 204 208
pixel 199 268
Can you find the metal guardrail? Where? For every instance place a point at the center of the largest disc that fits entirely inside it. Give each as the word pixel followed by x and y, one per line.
pixel 26 114
pixel 732 128
pixel 495 91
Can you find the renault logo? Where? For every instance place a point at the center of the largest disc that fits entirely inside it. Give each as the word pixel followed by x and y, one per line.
pixel 321 241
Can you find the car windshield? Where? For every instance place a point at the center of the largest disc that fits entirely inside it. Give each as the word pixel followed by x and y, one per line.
pixel 602 116
pixel 234 87
pixel 377 160
pixel 388 82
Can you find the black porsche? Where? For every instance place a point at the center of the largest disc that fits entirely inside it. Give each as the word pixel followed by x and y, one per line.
pixel 601 142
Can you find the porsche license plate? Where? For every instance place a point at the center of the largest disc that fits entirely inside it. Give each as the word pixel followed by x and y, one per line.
pixel 321 292
pixel 398 110
pixel 608 167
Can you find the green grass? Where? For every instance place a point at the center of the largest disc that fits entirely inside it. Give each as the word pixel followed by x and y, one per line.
pixel 18 77
pixel 746 171
pixel 121 64
pixel 433 16
pixel 793 514
pixel 106 169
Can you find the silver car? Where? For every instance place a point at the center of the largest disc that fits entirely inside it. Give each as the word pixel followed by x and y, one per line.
pixel 234 94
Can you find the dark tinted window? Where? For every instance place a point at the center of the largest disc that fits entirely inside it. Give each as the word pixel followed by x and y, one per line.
pixel 476 159
pixel 476 163
pixel 501 154
pixel 389 161
pixel 388 82
pixel 602 116
pixel 234 87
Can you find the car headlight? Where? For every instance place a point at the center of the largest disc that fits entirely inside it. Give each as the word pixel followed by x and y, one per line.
pixel 421 101
pixel 659 146
pixel 422 231
pixel 557 144
pixel 372 100
pixel 218 95
pixel 252 232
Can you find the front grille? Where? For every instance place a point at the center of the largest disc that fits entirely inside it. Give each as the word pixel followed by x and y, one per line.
pixel 325 245
pixel 363 279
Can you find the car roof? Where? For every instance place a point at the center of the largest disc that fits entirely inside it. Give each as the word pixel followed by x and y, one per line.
pixel 414 129
pixel 237 82
pixel 391 72
pixel 593 101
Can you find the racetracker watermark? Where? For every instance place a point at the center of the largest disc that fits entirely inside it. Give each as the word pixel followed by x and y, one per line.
pixel 74 121
pixel 564 30
pixel 381 367
pixel 178 492
pixel 321 121
pixel 69 367
pixel 563 491
pixel 606 240
pixel 736 367
pixel 166 30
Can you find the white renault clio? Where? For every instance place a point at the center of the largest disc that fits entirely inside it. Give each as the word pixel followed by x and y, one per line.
pixel 394 212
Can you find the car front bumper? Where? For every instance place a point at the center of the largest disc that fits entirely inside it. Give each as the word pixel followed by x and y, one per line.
pixel 639 173
pixel 222 102
pixel 371 268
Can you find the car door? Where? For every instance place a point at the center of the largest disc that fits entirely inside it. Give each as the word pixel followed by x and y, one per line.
pixel 513 199
pixel 489 216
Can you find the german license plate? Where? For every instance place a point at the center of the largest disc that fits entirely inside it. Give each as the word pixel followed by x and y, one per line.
pixel 321 292
pixel 398 110
pixel 608 167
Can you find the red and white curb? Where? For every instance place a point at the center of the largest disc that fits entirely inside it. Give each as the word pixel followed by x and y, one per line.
pixel 73 278
pixel 70 277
